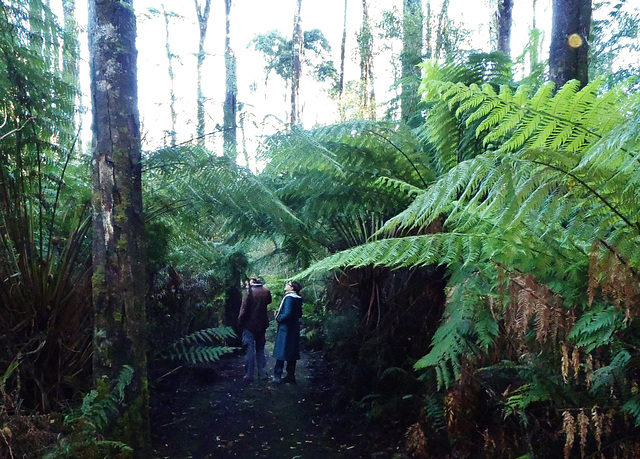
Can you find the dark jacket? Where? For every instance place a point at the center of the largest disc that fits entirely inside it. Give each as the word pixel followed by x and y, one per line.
pixel 253 311
pixel 287 345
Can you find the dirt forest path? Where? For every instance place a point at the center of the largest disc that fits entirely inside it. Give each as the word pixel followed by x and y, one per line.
pixel 219 416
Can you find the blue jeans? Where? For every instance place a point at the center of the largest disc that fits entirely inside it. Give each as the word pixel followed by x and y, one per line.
pixel 255 354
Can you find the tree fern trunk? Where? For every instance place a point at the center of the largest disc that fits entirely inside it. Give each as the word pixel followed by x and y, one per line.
pixel 118 249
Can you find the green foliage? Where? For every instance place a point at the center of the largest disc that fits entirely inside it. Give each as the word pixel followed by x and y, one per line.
pixel 467 327
pixel 196 348
pixel 537 187
pixel 278 52
pixel 44 211
pixel 614 31
pixel 597 327
pixel 632 406
pixel 91 420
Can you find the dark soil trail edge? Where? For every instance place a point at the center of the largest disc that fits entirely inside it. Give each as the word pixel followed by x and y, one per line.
pixel 213 413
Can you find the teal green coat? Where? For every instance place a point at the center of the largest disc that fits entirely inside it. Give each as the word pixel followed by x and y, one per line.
pixel 287 345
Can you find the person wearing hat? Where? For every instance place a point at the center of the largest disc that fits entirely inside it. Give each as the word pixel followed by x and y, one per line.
pixel 254 320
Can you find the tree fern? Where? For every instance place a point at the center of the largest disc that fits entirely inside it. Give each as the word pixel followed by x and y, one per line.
pixel 201 347
pixel 552 184
pixel 597 327
pixel 632 407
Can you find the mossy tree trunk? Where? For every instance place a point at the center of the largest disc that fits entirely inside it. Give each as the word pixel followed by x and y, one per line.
pixel 118 250
pixel 569 51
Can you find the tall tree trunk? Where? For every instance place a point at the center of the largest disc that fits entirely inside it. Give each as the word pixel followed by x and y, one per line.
pixel 412 22
pixel 231 92
pixel 172 92
pixel 118 249
pixel 296 65
pixel 244 140
pixel 534 57
pixel 343 49
pixel 365 41
pixel 203 21
pixel 442 29
pixel 36 17
pixel 428 51
pixel 568 55
pixel 504 20
pixel 70 59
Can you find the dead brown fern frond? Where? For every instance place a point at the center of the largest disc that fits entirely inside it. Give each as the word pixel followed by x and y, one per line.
pixel 614 279
pixel 569 431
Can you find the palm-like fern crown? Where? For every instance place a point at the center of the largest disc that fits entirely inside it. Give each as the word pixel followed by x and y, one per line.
pixel 324 189
pixel 330 177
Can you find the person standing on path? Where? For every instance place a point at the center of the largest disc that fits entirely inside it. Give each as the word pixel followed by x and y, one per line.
pixel 254 320
pixel 287 345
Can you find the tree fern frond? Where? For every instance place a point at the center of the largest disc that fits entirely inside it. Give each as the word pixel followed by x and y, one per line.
pixel 202 346
pixel 199 354
pixel 596 327
pixel 604 378
pixel 632 406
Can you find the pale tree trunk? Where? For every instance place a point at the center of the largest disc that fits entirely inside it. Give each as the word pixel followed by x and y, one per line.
pixel 296 65
pixel 569 51
pixel 504 20
pixel 172 92
pixel 442 29
pixel 343 49
pixel 36 16
pixel 70 65
pixel 118 281
pixel 428 48
pixel 534 57
pixel 230 108
pixel 244 140
pixel 203 21
pixel 365 40
pixel 412 22
pixel 70 60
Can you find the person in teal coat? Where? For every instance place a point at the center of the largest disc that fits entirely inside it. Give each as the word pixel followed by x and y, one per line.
pixel 287 344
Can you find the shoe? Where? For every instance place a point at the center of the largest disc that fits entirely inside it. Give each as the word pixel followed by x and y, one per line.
pixel 245 379
pixel 276 379
pixel 289 379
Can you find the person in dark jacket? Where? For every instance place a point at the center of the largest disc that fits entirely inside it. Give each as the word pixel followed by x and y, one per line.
pixel 287 345
pixel 254 320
